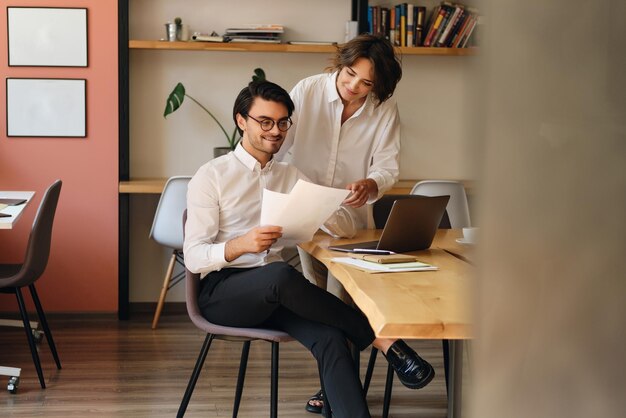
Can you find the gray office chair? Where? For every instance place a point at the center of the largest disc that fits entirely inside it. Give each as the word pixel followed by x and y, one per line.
pixel 220 332
pixel 245 335
pixel 14 277
pixel 167 231
pixel 457 209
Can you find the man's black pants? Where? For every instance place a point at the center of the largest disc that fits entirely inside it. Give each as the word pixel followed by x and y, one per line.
pixel 279 297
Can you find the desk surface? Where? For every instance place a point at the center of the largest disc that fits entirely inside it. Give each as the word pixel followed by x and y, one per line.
pixel 412 305
pixel 14 211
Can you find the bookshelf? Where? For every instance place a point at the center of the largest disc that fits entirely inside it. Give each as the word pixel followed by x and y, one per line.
pixel 286 48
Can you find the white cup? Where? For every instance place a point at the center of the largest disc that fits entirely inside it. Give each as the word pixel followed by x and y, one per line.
pixel 183 33
pixel 470 234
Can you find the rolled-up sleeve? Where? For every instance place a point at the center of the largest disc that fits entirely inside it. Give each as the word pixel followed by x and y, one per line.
pixel 201 254
pixel 341 224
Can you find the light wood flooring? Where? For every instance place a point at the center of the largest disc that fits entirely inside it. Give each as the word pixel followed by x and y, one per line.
pixel 124 369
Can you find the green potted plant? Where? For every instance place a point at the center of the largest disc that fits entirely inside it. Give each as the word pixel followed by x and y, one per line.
pixel 177 96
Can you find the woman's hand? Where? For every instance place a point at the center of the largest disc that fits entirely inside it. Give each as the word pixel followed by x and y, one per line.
pixel 362 190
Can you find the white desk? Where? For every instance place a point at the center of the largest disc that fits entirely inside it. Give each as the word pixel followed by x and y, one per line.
pixel 7 223
pixel 14 211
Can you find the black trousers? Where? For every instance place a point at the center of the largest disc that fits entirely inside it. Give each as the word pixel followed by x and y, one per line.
pixel 279 297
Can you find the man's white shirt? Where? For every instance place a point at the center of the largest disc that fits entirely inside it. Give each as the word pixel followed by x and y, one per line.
pixel 224 202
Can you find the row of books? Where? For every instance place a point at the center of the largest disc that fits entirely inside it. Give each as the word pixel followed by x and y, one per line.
pixel 450 25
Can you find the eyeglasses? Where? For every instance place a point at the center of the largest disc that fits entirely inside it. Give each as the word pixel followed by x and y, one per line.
pixel 268 124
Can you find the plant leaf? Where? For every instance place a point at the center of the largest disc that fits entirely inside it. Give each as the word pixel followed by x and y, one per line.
pixel 259 75
pixel 175 99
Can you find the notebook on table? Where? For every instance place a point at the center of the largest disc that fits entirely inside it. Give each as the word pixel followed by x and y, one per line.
pixel 411 226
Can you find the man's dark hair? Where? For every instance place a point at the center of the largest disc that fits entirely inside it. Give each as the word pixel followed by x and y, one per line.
pixel 387 69
pixel 264 89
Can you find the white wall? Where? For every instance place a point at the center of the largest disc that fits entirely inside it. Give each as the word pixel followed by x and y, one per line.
pixel 432 97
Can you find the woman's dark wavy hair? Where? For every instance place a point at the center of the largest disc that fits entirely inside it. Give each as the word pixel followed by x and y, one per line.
pixel 264 89
pixel 387 68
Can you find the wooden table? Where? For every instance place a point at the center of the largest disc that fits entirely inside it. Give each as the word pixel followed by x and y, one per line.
pixel 7 223
pixel 413 305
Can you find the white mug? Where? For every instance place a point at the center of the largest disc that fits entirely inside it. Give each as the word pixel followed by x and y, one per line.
pixel 470 234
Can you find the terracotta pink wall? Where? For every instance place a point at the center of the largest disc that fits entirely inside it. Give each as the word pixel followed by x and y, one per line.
pixel 82 272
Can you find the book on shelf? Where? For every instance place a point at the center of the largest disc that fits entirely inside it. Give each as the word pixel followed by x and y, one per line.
pixel 410 28
pixel 255 40
pixel 420 17
pixel 403 24
pixel 200 37
pixel 312 43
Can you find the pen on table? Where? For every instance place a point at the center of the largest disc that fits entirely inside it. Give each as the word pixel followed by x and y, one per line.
pixel 366 251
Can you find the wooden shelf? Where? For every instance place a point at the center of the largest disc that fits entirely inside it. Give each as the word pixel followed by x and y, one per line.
pixel 155 186
pixel 260 47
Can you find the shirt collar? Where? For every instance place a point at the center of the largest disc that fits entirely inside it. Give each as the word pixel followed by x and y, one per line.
pixel 249 161
pixel 331 87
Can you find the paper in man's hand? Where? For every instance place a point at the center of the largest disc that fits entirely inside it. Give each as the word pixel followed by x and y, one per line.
pixel 301 212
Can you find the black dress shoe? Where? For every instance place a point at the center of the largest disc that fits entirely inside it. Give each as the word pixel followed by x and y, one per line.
pixel 413 371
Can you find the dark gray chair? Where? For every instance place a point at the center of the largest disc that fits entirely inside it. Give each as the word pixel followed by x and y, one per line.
pixel 381 210
pixel 245 335
pixel 14 277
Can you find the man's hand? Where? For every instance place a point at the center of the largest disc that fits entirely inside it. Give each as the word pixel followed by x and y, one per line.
pixel 362 190
pixel 256 240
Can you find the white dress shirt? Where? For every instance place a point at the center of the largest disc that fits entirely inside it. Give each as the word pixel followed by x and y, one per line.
pixel 224 202
pixel 334 155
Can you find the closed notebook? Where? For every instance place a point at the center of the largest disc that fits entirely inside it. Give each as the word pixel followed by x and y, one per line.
pixel 385 259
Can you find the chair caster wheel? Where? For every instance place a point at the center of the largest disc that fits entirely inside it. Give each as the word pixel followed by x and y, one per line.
pixel 13 383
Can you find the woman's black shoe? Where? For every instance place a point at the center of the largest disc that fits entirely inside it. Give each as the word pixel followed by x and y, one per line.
pixel 413 371
pixel 318 399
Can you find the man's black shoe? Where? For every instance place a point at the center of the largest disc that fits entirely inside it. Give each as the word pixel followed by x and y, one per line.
pixel 413 371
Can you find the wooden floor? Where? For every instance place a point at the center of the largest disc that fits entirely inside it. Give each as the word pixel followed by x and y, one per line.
pixel 124 369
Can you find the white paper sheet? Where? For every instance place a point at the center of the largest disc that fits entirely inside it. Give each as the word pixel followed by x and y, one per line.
pixel 301 212
pixel 384 268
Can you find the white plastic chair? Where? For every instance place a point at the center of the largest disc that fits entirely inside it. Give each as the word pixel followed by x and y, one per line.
pixel 167 230
pixel 458 210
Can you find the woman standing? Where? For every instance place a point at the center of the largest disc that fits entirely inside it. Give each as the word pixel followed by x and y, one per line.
pixel 346 134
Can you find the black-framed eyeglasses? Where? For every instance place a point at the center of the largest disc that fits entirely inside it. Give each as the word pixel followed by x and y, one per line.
pixel 268 124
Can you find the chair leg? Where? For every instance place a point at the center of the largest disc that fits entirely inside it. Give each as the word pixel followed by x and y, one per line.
pixel 29 336
pixel 370 370
pixel 242 375
pixel 166 285
pixel 388 387
pixel 194 375
pixel 44 324
pixel 445 347
pixel 274 385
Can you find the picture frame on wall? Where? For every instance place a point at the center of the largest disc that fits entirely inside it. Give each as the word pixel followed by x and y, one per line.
pixel 47 36
pixel 46 107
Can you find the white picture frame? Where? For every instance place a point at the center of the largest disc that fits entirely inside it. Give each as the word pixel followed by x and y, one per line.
pixel 46 107
pixel 47 36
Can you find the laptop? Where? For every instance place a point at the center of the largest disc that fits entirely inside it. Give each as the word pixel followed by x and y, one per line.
pixel 411 226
